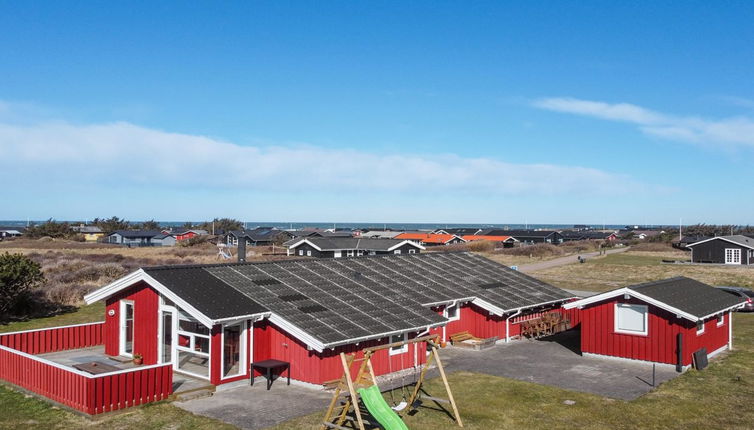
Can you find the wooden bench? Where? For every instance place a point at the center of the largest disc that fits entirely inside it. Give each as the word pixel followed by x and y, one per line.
pixel 465 339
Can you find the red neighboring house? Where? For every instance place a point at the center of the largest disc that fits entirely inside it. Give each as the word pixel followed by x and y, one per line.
pixel 431 239
pixel 188 234
pixel 663 322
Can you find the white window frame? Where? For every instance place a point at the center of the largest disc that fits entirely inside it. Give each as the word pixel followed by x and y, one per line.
pixel 698 325
pixel 300 252
pixel 242 354
pixel 645 310
pixel 190 348
pixel 403 349
pixel 733 252
pixel 412 251
pixel 458 312
pixel 122 328
pixel 308 253
pixel 349 253
pixel 720 320
pixel 397 251
pixel 359 253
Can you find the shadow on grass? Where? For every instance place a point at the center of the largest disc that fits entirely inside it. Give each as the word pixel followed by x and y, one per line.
pixel 33 306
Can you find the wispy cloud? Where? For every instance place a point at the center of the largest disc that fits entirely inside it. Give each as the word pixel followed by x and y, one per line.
pixel 729 132
pixel 126 154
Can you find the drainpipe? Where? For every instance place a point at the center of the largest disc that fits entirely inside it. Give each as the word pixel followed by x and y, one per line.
pixel 507 326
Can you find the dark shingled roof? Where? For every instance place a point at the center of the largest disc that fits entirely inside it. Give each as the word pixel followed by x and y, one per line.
pixel 336 300
pixel 206 293
pixel 688 295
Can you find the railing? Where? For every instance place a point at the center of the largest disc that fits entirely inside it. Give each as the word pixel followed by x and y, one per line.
pixel 54 339
pixel 92 394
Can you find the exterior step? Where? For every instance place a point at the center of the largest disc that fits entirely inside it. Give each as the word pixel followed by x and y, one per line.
pixel 196 393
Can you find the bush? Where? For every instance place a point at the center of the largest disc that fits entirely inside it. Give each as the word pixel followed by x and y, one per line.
pixel 538 250
pixel 481 246
pixel 18 276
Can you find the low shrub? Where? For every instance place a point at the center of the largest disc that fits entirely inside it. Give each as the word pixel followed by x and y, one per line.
pixel 539 250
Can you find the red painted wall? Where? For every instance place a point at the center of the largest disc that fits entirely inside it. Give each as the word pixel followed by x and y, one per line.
pixel 54 338
pixel 146 306
pixel 310 366
pixel 598 334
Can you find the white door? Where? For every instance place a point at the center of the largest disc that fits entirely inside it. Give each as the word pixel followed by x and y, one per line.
pixel 338 254
pixel 732 256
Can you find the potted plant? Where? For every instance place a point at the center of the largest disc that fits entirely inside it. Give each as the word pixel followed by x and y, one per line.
pixel 138 359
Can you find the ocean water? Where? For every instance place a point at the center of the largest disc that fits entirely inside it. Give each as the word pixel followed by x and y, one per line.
pixel 352 225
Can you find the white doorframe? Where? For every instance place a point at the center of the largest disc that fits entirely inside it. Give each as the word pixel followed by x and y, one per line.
pixel 122 328
pixel 174 329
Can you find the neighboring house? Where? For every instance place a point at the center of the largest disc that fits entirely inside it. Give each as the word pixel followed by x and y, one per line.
pixel 685 241
pixel 504 241
pixel 530 236
pixel 133 237
pixel 10 232
pixel 642 234
pixel 571 236
pixel 380 234
pixel 431 239
pixel 260 236
pixel 163 239
pixel 737 249
pixel 324 247
pixel 91 233
pixel 212 321
pixel 461 231
pixel 663 321
pixel 188 234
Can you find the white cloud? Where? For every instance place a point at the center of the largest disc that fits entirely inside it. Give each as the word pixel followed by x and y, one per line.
pixel 729 132
pixel 126 154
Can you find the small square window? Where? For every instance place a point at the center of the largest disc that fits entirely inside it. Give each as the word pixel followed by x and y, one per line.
pixel 720 320
pixel 399 349
pixel 397 251
pixel 631 319
pixel 412 251
pixel 308 253
pixel 699 327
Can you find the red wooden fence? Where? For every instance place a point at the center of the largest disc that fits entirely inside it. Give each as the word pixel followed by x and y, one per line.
pixel 55 338
pixel 92 394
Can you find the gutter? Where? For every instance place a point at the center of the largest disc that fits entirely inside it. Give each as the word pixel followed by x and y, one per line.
pixel 507 326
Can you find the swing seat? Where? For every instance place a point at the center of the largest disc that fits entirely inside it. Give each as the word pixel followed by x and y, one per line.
pixel 400 406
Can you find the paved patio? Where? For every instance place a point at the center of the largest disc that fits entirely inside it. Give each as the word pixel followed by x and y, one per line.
pixel 552 361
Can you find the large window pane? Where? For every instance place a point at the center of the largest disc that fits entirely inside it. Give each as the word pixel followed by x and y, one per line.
pixel 631 318
pixel 193 363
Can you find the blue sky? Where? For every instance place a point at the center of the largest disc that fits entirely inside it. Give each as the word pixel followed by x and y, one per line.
pixel 448 112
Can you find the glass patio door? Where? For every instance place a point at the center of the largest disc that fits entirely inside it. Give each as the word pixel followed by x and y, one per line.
pixel 167 334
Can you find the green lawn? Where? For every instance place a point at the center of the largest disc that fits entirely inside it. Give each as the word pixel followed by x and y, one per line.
pixel 85 314
pixel 719 397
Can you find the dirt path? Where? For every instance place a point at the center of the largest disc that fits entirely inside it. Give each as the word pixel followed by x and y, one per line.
pixel 566 260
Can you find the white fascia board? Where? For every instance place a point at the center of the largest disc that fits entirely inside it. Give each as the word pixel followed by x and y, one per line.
pixel 297 333
pixel 720 238
pixel 141 275
pixel 487 306
pixel 632 293
pixel 406 242
pixel 730 308
pixel 293 245
pixel 449 301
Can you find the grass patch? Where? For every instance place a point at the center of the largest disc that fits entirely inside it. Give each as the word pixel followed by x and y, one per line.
pixel 84 314
pixel 633 267
pixel 719 397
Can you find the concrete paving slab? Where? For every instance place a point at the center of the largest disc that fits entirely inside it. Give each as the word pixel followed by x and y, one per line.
pixel 555 361
pixel 253 407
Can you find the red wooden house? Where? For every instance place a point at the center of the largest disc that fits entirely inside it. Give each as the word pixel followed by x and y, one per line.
pixel 663 322
pixel 212 322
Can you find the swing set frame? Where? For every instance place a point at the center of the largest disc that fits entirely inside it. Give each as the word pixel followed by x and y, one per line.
pixel 337 415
